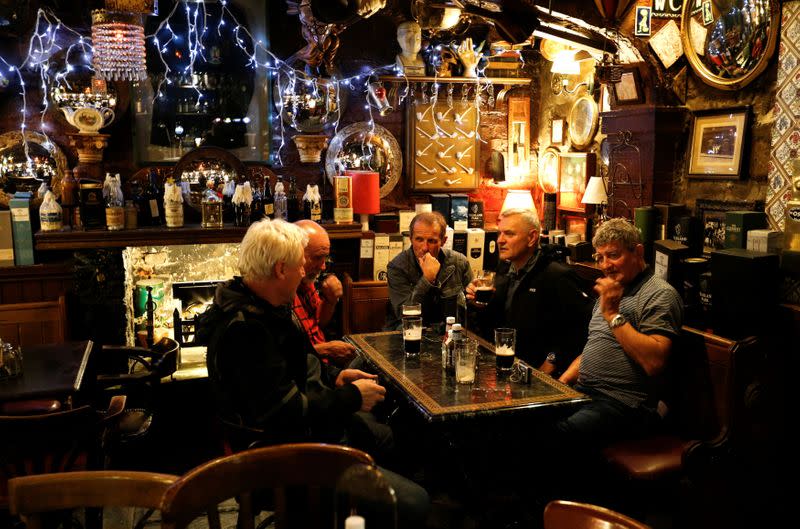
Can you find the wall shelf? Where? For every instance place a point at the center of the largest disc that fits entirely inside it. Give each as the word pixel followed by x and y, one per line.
pixel 459 80
pixel 154 236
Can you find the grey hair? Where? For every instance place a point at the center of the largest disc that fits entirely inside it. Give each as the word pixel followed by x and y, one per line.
pixel 617 230
pixel 433 218
pixel 268 242
pixel 529 217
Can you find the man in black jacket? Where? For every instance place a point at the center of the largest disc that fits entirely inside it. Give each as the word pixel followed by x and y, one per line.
pixel 536 295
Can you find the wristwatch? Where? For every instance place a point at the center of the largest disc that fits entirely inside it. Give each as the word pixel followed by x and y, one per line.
pixel 617 321
pixel 551 357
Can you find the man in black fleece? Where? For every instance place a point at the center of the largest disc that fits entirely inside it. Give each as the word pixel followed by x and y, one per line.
pixel 266 375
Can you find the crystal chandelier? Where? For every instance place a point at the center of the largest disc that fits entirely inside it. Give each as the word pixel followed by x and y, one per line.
pixel 118 40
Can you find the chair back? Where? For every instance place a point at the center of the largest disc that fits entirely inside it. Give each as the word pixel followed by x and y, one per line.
pixel 53 442
pixel 282 470
pixel 559 514
pixel 31 497
pixel 34 323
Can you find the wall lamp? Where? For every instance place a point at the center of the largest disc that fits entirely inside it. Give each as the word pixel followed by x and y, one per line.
pixel 565 64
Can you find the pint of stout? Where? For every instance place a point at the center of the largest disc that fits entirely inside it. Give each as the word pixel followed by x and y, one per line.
pixel 505 343
pixel 483 294
pixel 505 358
pixel 412 335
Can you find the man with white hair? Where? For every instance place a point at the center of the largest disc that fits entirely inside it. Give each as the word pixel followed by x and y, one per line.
pixel 535 294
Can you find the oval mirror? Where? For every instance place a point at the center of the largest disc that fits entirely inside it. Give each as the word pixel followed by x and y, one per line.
pixel 549 170
pixel 582 122
pixel 366 147
pixel 729 42
pixel 307 105
pixel 47 164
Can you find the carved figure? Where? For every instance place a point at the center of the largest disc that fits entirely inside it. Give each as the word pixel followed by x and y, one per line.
pixel 409 61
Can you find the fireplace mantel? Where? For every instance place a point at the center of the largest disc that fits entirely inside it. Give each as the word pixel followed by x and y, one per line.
pixel 189 234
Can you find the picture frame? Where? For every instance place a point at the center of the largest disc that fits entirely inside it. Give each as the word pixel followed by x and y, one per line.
pixel 630 89
pixel 575 168
pixel 557 131
pixel 712 215
pixel 718 144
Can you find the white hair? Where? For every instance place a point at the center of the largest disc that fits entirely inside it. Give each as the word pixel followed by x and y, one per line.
pixel 529 218
pixel 268 242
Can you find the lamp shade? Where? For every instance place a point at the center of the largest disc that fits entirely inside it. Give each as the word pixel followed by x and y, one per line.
pixel 366 194
pixel 595 191
pixel 518 199
pixel 119 49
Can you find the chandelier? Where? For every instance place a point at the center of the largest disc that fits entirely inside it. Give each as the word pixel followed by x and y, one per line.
pixel 118 40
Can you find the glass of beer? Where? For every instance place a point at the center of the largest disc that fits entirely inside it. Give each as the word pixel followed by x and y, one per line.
pixel 505 343
pixel 412 310
pixel 466 362
pixel 412 336
pixel 484 287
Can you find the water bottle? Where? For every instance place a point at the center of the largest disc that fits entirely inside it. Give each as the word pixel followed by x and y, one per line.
pixel 447 338
pixel 281 211
pixel 457 342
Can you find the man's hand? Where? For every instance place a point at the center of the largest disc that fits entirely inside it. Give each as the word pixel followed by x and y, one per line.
pixel 351 375
pixel 610 293
pixel 331 289
pixel 472 288
pixel 337 351
pixel 371 393
pixel 430 267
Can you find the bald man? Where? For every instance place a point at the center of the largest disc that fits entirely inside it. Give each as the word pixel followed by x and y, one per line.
pixel 314 306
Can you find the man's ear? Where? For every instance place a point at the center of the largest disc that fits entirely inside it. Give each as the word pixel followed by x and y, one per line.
pixel 639 250
pixel 279 270
pixel 533 238
pixel 444 240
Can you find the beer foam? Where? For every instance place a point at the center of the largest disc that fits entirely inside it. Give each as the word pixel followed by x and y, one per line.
pixel 504 350
pixel 484 288
pixel 413 312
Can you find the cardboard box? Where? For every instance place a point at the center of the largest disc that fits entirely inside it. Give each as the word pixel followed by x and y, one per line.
pixel 490 255
pixel 460 241
pixel 667 261
pixel 395 246
pixel 6 239
pixel 769 241
pixel 475 244
pixel 381 256
pixel 406 216
pixel 22 230
pixel 475 214
pixel 459 208
pixel 441 202
pixel 738 223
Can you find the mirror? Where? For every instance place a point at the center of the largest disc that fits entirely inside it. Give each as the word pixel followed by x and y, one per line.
pixel 366 147
pixel 729 42
pixel 582 122
pixel 309 105
pixel 200 165
pixel 48 164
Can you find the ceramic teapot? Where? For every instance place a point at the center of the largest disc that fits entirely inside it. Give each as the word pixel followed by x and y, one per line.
pixel 88 120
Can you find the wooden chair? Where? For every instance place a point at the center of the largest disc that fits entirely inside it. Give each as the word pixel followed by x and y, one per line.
pixel 64 441
pixel 34 323
pixel 364 305
pixel 560 514
pixel 32 497
pixel 281 469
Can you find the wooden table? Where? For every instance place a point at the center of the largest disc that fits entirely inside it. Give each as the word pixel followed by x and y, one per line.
pixel 49 371
pixel 438 397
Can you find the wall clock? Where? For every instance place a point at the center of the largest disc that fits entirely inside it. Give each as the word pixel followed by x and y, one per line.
pixel 442 153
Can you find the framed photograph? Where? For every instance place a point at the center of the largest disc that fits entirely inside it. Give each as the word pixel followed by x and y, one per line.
pixel 718 143
pixel 557 131
pixel 712 215
pixel 629 90
pixel 575 168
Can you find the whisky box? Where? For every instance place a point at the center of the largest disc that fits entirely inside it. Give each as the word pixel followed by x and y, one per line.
pixel 427 207
pixel 460 241
pixel 475 244
pixel 490 255
pixel 343 199
pixel 381 256
pixel 475 214
pixel 738 223
pixel 21 228
pixel 688 230
pixel 6 240
pixel 386 222
pixel 366 260
pixel 667 261
pixel 395 245
pixel 668 215
pixel 769 241
pixel 440 202
pixel 459 208
pixel 406 216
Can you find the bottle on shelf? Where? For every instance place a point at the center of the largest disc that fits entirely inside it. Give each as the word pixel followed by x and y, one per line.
pixel 173 204
pixel 292 201
pixel 281 205
pixel 257 206
pixel 267 200
pixel 115 203
pixel 242 199
pixel 50 214
pixel 153 199
pixel 312 207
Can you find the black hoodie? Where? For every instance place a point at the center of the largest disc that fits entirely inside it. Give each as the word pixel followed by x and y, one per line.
pixel 265 373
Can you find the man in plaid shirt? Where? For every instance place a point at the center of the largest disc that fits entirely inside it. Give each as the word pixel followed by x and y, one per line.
pixel 314 308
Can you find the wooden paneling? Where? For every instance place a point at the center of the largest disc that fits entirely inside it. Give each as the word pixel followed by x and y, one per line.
pixel 25 284
pixel 37 323
pixel 364 305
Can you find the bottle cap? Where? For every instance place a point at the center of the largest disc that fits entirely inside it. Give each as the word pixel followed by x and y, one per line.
pixel 456 327
pixel 354 522
pixel 450 320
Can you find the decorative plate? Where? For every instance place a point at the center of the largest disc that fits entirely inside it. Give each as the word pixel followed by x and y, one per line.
pixel 366 147
pixel 582 120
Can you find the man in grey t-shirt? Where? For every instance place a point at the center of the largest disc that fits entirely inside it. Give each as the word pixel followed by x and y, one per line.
pixel 633 326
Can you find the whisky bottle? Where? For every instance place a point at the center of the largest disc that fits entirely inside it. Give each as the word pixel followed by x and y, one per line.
pixel 791 227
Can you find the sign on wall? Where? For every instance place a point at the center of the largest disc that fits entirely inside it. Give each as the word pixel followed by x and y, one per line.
pixel 667 8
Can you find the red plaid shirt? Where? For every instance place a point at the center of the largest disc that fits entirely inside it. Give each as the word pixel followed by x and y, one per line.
pixel 306 307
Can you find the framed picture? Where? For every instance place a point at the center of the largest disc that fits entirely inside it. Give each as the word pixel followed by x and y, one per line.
pixel 718 143
pixel 629 90
pixel 557 131
pixel 712 215
pixel 575 168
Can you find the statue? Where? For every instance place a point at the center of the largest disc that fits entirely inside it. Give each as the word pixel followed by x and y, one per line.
pixel 409 60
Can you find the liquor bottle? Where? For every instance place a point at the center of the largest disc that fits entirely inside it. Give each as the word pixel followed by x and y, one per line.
pixel 50 215
pixel 281 206
pixel 268 201
pixel 292 201
pixel 446 339
pixel 115 204
pixel 257 207
pixel 173 204
pixel 312 209
pixel 153 198
pixel 70 199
